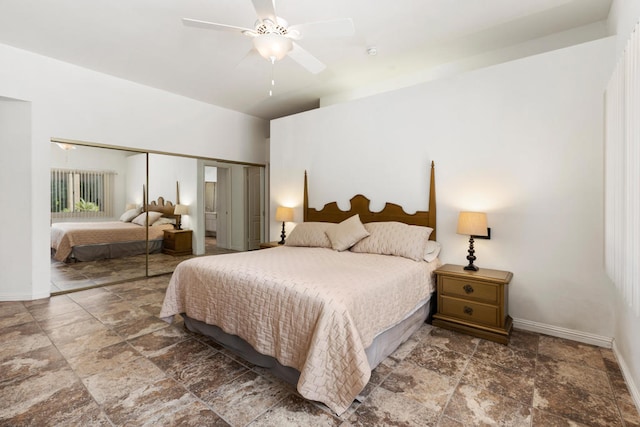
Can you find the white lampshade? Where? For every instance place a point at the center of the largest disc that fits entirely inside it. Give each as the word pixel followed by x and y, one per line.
pixel 181 210
pixel 472 224
pixel 284 214
pixel 272 46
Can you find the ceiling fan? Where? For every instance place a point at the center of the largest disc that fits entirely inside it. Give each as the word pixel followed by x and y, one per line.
pixel 274 38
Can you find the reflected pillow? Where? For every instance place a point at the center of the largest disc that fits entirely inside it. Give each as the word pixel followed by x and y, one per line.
pixel 164 221
pixel 129 215
pixel 347 233
pixel 141 219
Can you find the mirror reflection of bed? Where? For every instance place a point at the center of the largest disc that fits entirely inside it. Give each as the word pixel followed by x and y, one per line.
pixel 128 174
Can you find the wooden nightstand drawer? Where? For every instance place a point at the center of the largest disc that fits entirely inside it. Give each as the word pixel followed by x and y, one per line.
pixel 470 311
pixel 470 289
pixel 170 240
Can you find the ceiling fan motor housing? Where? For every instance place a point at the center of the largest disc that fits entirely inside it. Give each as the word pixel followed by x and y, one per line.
pixel 267 26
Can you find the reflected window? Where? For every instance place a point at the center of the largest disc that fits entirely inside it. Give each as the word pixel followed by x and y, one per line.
pixel 81 194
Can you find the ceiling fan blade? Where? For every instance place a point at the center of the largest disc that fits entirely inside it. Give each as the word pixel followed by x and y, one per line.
pixel 304 58
pixel 214 26
pixel 265 9
pixel 334 28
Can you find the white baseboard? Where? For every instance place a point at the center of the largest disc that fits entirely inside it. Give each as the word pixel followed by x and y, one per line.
pixel 570 334
pixel 626 373
pixel 23 297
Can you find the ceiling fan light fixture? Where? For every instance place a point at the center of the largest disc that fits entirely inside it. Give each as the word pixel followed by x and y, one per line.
pixel 272 46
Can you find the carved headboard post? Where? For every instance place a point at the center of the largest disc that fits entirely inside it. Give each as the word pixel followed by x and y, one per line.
pixel 144 197
pixel 432 201
pixel 306 198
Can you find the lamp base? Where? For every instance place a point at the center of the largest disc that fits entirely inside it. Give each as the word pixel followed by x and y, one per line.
pixel 471 257
pixel 282 235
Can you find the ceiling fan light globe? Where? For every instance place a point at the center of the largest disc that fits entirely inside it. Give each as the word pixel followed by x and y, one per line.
pixel 272 46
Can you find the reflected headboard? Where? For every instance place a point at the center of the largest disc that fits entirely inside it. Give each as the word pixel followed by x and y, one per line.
pixel 163 206
pixel 166 208
pixel 360 205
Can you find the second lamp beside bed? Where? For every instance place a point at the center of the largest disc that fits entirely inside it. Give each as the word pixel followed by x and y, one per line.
pixel 283 214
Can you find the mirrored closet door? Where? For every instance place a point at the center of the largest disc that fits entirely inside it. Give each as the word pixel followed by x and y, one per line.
pixel 94 195
pixel 119 214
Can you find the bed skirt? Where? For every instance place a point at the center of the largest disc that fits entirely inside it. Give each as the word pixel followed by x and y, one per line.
pixel 83 253
pixel 383 344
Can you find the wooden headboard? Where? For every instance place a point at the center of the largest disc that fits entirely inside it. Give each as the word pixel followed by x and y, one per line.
pixel 360 205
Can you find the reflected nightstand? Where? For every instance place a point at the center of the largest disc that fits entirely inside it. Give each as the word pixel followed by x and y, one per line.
pixel 177 242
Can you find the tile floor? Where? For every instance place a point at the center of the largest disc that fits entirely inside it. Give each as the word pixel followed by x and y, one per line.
pixel 102 357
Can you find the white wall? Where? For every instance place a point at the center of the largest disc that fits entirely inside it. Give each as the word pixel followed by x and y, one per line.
pixel 15 141
pixel 75 103
pixel 622 19
pixel 521 141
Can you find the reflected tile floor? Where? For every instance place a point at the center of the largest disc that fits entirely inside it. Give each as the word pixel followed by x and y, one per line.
pixel 72 276
pixel 102 357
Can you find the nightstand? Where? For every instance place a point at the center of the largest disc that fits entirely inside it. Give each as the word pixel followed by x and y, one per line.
pixel 267 245
pixel 474 302
pixel 177 242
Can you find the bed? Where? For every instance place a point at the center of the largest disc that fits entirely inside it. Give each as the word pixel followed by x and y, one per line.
pixel 322 310
pixel 90 241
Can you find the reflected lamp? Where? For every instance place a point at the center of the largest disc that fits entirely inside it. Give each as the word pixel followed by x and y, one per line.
pixel 180 210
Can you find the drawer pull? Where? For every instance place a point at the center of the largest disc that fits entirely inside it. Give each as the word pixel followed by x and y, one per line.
pixel 468 310
pixel 468 289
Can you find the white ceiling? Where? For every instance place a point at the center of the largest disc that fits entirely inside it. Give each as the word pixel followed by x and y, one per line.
pixel 145 41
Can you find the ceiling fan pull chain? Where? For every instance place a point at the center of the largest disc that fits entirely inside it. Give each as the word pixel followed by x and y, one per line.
pixel 273 80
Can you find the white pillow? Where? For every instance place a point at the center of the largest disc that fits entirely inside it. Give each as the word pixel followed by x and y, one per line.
pixel 347 233
pixel 431 251
pixel 394 238
pixel 142 218
pixel 310 234
pixel 164 221
pixel 130 214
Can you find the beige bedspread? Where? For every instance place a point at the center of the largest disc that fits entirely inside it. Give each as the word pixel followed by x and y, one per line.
pixel 313 309
pixel 66 235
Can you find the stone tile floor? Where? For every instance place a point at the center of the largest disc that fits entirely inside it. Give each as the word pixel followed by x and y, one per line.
pixel 102 357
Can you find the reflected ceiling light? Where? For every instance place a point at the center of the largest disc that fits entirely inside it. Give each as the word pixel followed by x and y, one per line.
pixel 65 146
